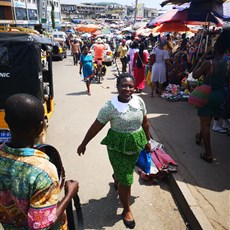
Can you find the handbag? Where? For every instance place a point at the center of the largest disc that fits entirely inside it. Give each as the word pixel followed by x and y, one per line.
pixel 200 95
pixel 148 77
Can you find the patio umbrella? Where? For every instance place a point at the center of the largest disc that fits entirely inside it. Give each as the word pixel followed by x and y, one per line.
pixel 69 31
pixel 127 30
pixel 144 32
pixel 97 32
pixel 90 28
pixel 197 8
pixel 185 1
pixel 86 35
pixel 184 16
pixel 171 27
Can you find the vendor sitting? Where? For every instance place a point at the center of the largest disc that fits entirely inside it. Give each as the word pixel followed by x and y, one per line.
pixel 178 72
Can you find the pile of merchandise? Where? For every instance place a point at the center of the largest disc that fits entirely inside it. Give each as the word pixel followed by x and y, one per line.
pixel 155 165
pixel 175 93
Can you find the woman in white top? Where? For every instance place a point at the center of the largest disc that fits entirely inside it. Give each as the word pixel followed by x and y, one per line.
pixel 132 50
pixel 159 68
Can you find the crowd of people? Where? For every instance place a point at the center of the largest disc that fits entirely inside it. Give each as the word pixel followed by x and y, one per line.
pixel 168 59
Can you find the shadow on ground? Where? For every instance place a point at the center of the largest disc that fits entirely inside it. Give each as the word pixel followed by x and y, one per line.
pixel 102 213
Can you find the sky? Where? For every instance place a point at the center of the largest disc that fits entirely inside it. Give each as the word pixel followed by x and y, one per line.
pixel 148 3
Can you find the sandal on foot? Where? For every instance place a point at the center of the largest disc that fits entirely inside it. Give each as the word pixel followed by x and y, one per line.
pixel 128 223
pixel 206 158
pixel 198 138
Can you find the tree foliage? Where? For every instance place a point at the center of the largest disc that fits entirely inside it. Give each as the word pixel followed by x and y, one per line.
pixel 52 15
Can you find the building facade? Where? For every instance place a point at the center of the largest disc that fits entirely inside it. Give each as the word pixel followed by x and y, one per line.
pixel 6 13
pixel 80 11
pixel 29 13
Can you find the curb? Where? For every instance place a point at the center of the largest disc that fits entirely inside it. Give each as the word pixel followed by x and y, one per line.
pixel 188 206
pixel 191 211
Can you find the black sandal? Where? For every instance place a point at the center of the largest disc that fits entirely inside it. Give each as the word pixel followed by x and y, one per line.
pixel 206 158
pixel 128 224
pixel 198 138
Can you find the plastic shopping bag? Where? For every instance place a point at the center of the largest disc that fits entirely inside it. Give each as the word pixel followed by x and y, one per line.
pixel 148 78
pixel 144 161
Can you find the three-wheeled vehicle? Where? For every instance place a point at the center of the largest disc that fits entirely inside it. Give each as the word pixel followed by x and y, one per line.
pixel 25 67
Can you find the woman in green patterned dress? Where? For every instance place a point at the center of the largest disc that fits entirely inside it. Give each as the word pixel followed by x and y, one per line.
pixel 127 136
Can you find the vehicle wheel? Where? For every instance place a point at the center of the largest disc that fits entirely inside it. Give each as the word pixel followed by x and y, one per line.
pixel 99 78
pixel 61 57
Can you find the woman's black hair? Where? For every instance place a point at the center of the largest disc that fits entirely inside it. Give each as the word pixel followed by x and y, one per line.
pixel 222 42
pixel 140 56
pixel 134 45
pixel 84 46
pixel 123 76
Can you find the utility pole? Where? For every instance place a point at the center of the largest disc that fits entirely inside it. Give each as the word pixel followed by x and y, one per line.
pixel 135 12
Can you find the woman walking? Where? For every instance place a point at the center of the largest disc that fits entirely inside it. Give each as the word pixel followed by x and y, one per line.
pixel 127 136
pixel 86 63
pixel 139 62
pixel 132 50
pixel 122 52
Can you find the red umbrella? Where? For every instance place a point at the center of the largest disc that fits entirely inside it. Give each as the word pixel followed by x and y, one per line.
pixel 98 32
pixel 174 15
pixel 185 1
pixel 170 27
pixel 183 16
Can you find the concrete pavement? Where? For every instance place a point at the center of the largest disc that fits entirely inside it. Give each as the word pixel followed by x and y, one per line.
pixel 201 190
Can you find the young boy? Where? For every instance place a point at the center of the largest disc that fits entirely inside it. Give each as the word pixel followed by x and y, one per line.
pixel 29 186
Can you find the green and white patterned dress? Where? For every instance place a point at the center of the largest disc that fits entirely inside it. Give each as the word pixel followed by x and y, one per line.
pixel 125 138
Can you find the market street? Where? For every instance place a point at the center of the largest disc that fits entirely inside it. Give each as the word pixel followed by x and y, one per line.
pixel 175 124
pixel 153 206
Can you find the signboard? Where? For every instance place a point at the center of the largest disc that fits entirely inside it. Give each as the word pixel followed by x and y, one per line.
pixel 43 20
pixel 140 10
pixel 7 21
pixel 19 4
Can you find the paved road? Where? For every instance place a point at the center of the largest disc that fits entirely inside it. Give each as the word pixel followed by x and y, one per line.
pixel 153 206
pixel 204 187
